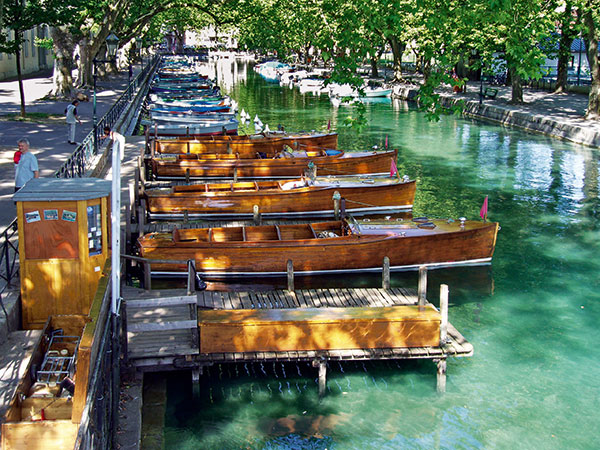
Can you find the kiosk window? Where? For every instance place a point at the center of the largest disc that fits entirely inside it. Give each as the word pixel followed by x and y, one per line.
pixel 94 219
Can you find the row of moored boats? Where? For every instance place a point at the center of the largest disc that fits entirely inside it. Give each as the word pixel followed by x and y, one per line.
pixel 289 175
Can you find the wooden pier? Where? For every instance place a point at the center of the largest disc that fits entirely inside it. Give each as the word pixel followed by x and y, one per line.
pixel 156 352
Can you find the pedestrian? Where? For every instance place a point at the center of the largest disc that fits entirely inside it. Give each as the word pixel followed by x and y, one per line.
pixel 27 168
pixel 118 141
pixel 72 119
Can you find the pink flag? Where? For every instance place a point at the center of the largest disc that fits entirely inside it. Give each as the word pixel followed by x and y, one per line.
pixel 386 141
pixel 329 125
pixel 393 168
pixel 484 209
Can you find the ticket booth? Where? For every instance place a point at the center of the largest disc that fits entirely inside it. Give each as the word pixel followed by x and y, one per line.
pixel 63 245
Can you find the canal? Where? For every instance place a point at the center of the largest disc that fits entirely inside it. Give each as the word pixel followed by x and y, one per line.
pixel 532 316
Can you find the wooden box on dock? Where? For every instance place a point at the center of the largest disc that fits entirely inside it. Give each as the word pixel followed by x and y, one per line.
pixel 63 244
pixel 274 330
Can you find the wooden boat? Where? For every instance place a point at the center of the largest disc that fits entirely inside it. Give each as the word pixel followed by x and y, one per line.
pixel 246 145
pixel 323 247
pixel 206 128
pixel 328 162
pixel 281 198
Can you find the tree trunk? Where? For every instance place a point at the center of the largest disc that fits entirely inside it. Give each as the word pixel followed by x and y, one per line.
pixel 564 52
pixel 397 50
pixel 374 73
pixel 19 74
pixel 593 109
pixel 63 47
pixel 517 88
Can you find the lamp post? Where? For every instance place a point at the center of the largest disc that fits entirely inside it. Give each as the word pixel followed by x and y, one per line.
pixel 112 43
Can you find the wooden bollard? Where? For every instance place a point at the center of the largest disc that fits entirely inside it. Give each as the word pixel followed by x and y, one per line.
pixel 140 164
pixel 235 174
pixel 191 281
pixel 229 149
pixel 188 147
pixel 444 313
pixel 147 276
pixel 385 281
pixel 336 205
pixel 185 216
pixel 290 275
pixel 142 218
pixel 343 208
pixel 422 286
pixel 256 214
pixel 187 176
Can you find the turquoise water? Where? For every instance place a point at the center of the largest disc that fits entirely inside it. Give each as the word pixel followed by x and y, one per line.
pixel 532 316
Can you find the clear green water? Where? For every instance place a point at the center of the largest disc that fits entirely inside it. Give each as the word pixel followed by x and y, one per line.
pixel 532 317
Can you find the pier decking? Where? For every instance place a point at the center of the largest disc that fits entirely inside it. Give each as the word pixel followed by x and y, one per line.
pixel 156 353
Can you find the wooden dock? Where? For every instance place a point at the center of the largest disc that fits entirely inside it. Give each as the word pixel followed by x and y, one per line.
pixel 158 352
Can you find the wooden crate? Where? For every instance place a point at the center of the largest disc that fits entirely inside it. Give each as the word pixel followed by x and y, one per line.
pixel 262 330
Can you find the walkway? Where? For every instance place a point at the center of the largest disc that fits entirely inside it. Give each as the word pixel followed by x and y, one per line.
pixel 48 140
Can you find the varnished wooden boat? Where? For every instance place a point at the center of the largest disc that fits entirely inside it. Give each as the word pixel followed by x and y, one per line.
pixel 247 146
pixel 328 162
pixel 286 198
pixel 323 247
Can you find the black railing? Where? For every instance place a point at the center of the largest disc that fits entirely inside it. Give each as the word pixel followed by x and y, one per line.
pixel 80 160
pixel 74 167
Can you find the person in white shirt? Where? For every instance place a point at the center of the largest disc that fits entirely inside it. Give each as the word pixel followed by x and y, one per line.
pixel 27 168
pixel 72 119
pixel 118 141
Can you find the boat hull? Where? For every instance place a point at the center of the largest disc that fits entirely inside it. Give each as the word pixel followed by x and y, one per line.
pixel 228 255
pixel 247 145
pixel 308 200
pixel 347 164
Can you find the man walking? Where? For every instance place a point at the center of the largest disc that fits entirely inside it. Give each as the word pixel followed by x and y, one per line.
pixel 27 168
pixel 72 119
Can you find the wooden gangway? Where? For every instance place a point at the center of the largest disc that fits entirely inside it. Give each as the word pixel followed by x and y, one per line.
pixel 154 353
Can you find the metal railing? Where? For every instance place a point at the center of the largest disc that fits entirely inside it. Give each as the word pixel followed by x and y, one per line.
pixel 74 167
pixel 80 160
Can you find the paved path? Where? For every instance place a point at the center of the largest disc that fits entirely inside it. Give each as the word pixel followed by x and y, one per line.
pixel 48 140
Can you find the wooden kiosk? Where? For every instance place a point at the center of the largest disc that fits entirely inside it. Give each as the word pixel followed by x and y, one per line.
pixel 63 244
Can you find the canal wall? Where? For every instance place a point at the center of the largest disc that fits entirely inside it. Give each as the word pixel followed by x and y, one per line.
pixel 527 117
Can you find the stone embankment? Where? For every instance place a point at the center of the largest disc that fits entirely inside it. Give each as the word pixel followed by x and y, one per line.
pixel 556 115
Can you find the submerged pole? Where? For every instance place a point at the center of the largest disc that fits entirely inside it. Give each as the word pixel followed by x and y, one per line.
pixel 441 375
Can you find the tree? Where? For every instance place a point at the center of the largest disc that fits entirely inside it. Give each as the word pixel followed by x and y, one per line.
pixel 591 19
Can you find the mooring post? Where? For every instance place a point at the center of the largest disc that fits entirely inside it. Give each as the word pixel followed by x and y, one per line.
pixel 290 275
pixel 422 286
pixel 229 149
pixel 123 336
pixel 141 218
pixel 187 176
pixel 147 276
pixel 441 375
pixel 385 282
pixel 444 313
pixel 185 216
pixel 188 147
pixel 336 205
pixel 235 175
pixel 132 196
pixel 140 164
pixel 343 208
pixel 322 365
pixel 152 143
pixel 191 280
pixel 136 182
pixel 256 214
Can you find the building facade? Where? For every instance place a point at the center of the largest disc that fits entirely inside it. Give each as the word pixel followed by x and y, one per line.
pixel 33 59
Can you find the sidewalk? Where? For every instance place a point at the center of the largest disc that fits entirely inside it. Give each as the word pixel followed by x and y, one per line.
pixel 48 140
pixel 557 115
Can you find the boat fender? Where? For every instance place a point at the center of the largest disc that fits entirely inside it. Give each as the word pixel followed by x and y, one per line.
pixel 326 234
